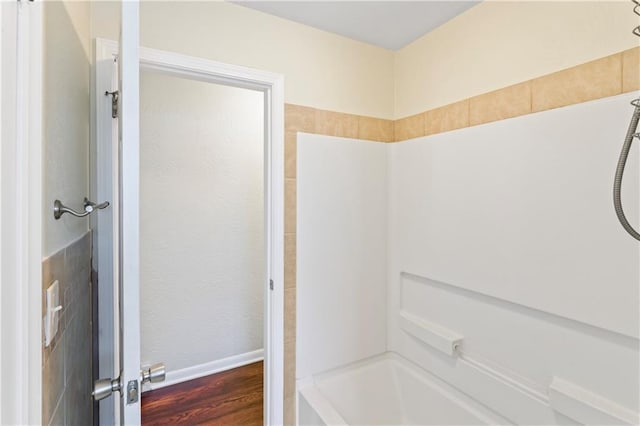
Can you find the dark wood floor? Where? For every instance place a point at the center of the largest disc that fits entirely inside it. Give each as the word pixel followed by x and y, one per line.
pixel 232 397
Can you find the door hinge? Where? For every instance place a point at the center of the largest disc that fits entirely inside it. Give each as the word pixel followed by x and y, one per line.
pixel 115 97
pixel 270 284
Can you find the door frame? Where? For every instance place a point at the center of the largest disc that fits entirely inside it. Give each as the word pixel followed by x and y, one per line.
pixel 21 220
pixel 272 85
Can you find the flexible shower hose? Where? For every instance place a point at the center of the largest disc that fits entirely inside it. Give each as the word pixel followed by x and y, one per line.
pixel 622 161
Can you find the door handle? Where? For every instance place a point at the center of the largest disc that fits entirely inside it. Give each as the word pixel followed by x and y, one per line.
pixel 89 207
pixel 154 374
pixel 104 387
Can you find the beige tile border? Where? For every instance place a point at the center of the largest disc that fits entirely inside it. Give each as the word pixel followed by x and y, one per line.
pixel 375 129
pixel 505 103
pixel 630 70
pixel 608 76
pixel 612 75
pixel 409 127
pixel 310 120
pixel 446 118
pixel 593 80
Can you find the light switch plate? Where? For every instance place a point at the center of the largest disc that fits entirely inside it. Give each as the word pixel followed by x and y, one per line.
pixel 52 313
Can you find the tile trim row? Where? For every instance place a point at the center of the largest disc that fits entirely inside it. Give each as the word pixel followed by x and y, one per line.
pixel 608 76
pixel 600 78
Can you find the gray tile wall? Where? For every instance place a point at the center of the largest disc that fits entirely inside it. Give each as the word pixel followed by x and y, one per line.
pixel 66 363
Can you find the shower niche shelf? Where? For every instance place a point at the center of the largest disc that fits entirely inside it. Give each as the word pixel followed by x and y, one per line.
pixel 433 334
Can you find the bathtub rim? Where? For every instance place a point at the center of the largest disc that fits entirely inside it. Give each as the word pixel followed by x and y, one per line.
pixel 308 388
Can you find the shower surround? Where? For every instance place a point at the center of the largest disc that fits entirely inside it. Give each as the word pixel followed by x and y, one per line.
pixel 508 277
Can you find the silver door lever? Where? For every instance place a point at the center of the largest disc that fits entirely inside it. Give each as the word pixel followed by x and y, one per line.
pixel 89 207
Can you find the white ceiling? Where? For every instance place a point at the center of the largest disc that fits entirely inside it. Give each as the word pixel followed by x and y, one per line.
pixel 388 24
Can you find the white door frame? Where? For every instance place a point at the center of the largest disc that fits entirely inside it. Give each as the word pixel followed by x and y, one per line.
pixel 21 215
pixel 273 86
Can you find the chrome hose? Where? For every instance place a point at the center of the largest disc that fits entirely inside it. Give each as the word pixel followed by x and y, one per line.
pixel 624 154
pixel 622 161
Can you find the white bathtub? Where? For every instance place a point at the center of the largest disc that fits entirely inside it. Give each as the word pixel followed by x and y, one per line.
pixel 386 390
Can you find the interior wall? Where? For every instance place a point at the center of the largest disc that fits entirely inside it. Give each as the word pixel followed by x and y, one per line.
pixel 500 43
pixel 492 45
pixel 67 379
pixel 202 231
pixel 512 242
pixel 321 69
pixel 67 362
pixel 66 93
pixel 341 236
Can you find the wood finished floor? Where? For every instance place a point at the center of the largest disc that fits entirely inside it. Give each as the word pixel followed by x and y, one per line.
pixel 231 397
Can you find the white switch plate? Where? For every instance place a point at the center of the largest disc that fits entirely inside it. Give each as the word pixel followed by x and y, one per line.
pixel 52 313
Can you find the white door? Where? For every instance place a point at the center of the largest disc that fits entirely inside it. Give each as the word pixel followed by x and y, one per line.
pixel 117 236
pixel 129 230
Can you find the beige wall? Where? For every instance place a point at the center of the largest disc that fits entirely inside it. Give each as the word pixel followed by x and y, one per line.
pixel 492 45
pixel 201 150
pixel 67 71
pixel 500 43
pixel 322 70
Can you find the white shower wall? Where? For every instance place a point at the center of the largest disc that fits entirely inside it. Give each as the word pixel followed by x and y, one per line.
pixel 521 210
pixel 341 292
pixel 505 235
pixel 201 222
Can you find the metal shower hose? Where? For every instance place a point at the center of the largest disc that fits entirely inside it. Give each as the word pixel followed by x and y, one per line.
pixel 622 161
pixel 626 147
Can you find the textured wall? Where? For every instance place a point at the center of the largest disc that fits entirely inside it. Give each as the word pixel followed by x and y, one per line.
pixel 500 43
pixel 596 79
pixel 492 45
pixel 321 69
pixel 201 221
pixel 67 69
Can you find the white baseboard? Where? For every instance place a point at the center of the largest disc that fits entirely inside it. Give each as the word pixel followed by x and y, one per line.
pixel 201 370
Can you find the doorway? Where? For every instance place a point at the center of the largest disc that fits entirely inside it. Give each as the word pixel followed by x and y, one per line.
pixel 211 217
pixel 202 245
